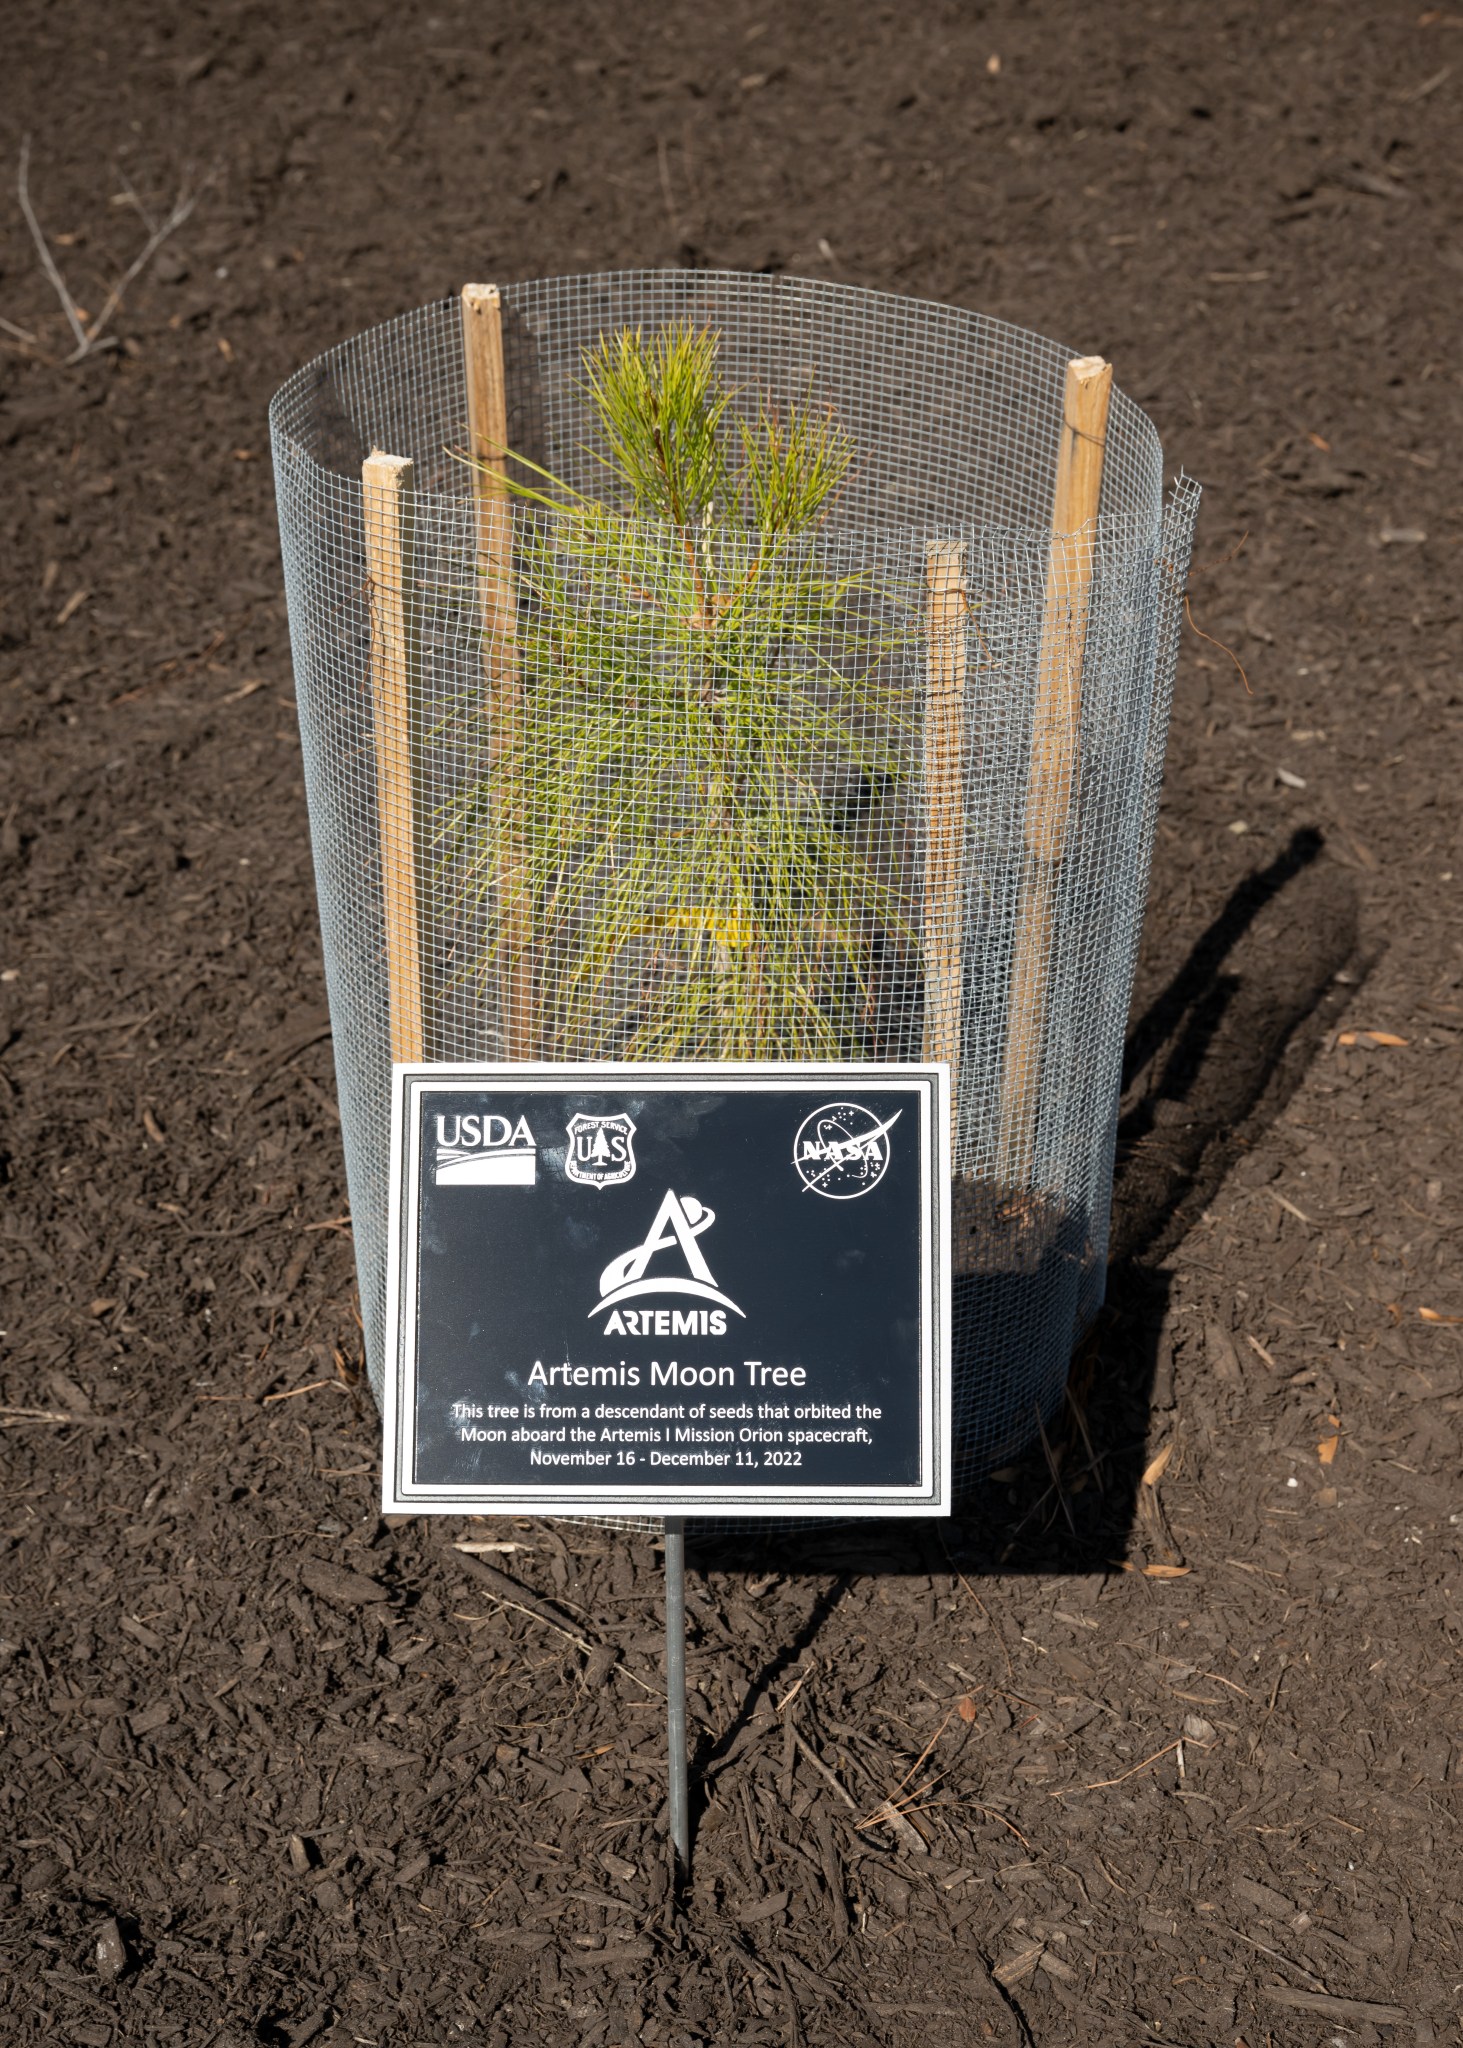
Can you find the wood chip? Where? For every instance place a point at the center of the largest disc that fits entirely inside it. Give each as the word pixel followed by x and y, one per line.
pixel 1021 1965
pixel 1333 2008
pixel 887 1814
pixel 110 1953
pixel 335 1583
pixel 763 1909
pixel 1156 1467
pixel 384 1756
pixel 637 1950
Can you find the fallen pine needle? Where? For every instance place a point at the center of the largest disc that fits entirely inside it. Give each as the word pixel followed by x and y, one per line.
pixel 1250 1942
pixel 930 1806
pixel 1291 1207
pixel 543 1622
pixel 922 1755
pixel 568 1634
pixel 1188 614
pixel 991 1814
pixel 1103 1783
pixel 886 1810
pixel 313 1387
pixel 788 1697
pixel 1226 1681
pixel 886 1814
pixel 810 1755
pixel 904 1802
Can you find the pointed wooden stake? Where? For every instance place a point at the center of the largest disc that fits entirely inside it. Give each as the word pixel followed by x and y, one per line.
pixel 387 488
pixel 944 792
pixel 1054 741
pixel 487 423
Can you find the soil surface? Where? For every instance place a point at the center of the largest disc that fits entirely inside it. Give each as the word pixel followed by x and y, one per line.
pixel 1169 1726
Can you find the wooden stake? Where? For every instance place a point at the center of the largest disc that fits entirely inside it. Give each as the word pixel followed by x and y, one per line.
pixel 1054 740
pixel 944 810
pixel 487 425
pixel 387 488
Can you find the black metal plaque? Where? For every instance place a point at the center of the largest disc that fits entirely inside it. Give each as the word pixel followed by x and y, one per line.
pixel 669 1289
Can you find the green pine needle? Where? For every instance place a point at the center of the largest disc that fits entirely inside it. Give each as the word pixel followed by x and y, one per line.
pixel 705 703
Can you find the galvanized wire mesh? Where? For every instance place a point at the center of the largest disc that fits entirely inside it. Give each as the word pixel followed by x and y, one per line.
pixel 745 800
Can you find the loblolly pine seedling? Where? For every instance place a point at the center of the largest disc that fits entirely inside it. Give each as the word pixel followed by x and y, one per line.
pixel 696 807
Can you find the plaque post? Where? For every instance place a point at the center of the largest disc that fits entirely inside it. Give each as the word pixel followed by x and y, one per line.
pixel 783 1223
pixel 675 1686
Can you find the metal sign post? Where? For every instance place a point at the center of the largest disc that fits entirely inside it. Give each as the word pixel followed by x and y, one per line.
pixel 675 1686
pixel 669 1289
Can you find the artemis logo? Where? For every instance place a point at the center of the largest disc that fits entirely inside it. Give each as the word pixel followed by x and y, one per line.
pixel 484 1152
pixel 679 1222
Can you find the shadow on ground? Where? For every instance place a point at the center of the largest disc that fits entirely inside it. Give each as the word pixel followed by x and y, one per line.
pixel 1210 1063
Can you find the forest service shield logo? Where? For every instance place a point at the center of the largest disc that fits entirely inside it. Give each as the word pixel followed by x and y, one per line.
pixel 601 1150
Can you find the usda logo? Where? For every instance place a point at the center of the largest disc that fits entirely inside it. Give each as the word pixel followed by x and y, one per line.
pixel 484 1152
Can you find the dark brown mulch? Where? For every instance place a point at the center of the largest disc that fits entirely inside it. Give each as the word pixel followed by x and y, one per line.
pixel 1183 1754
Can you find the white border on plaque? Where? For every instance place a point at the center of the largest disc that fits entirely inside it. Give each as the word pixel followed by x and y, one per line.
pixel 927 1082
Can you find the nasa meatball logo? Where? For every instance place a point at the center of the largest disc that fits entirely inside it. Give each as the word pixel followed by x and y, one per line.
pixel 842 1150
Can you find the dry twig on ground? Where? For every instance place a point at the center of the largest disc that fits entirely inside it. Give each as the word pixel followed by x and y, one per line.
pixel 89 335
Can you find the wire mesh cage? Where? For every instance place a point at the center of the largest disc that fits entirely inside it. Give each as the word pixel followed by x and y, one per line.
pixel 696 665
